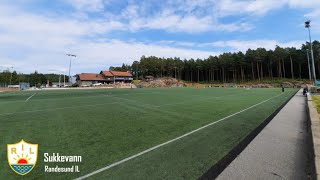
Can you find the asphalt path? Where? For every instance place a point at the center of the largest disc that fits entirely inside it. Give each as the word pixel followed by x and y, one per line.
pixel 280 151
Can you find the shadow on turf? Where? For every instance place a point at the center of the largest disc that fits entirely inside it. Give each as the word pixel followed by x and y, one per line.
pixel 215 170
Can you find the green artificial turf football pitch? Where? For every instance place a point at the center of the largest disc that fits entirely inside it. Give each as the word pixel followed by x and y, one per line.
pixel 105 126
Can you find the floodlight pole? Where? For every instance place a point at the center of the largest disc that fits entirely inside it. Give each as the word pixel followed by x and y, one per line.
pixel 11 75
pixel 70 55
pixel 59 79
pixel 309 64
pixel 307 25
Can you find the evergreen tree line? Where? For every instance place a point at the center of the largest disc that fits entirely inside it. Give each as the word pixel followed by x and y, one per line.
pixel 35 79
pixel 255 64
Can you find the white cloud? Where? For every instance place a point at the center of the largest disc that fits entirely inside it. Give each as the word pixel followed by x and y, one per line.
pixel 17 21
pixel 42 43
pixel 175 23
pixel 303 3
pixel 98 55
pixel 235 27
pixel 87 5
pixel 32 32
pixel 39 42
pixel 134 50
pixel 194 16
pixel 312 6
pixel 260 7
pixel 188 24
pixel 130 11
pixel 314 14
pixel 204 15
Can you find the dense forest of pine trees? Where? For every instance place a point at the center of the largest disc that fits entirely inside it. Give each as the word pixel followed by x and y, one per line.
pixel 256 64
pixel 231 67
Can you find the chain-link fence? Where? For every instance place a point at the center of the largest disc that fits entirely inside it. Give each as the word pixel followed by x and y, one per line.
pixel 24 85
pixel 21 85
pixel 3 85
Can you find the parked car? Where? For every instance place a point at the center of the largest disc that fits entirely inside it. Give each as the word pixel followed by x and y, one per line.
pixel 97 84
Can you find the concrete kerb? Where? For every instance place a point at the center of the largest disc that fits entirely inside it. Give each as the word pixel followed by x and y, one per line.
pixel 315 130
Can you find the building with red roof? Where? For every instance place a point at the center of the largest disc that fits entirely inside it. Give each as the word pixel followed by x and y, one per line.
pixel 105 77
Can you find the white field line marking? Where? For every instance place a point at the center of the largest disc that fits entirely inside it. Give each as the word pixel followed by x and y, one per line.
pixel 30 97
pixel 69 107
pixel 156 107
pixel 52 109
pixel 170 141
pixel 83 96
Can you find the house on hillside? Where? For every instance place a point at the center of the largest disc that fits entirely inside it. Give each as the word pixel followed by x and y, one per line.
pixel 87 79
pixel 117 76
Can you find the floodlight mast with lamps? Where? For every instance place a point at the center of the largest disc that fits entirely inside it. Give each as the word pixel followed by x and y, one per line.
pixel 307 25
pixel 70 55
pixel 309 64
pixel 11 75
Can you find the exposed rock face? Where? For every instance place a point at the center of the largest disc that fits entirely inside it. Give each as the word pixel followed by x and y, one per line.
pixel 296 84
pixel 161 82
pixel 172 82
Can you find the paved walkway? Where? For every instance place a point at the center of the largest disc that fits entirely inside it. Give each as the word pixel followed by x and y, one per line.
pixel 280 151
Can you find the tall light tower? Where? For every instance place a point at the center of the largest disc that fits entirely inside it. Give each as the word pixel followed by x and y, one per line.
pixel 309 64
pixel 307 25
pixel 11 75
pixel 70 55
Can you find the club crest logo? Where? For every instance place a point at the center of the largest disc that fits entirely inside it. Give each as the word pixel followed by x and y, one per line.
pixel 22 157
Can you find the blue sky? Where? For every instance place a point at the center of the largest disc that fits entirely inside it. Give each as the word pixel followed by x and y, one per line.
pixel 36 34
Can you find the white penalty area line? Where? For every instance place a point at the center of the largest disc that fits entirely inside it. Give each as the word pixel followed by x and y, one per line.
pixel 53 109
pixel 170 141
pixel 30 97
